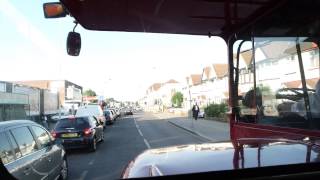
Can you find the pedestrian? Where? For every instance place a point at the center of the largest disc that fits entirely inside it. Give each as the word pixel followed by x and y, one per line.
pixel 44 121
pixel 195 111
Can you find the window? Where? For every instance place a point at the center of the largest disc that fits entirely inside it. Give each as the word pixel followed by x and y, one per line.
pixel 15 147
pixel 278 99
pixel 24 138
pixel 93 121
pixel 6 153
pixel 42 137
pixel 77 123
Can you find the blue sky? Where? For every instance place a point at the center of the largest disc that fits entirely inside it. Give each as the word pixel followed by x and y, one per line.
pixel 33 47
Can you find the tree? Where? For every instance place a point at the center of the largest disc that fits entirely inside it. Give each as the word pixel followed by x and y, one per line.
pixel 89 92
pixel 177 99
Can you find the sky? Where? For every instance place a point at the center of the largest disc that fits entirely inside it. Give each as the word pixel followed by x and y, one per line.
pixel 121 65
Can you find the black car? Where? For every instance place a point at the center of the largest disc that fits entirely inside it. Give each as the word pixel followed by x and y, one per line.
pixel 79 132
pixel 29 152
pixel 128 111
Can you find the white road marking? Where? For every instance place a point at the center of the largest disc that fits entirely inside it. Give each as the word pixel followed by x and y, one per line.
pixel 140 132
pixel 91 162
pixel 83 175
pixel 146 142
pixel 198 137
pixel 144 139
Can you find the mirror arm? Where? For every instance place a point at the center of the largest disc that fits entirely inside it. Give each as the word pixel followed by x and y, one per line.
pixel 76 24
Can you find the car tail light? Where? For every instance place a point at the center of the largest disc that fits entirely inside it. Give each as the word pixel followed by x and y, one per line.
pixel 87 131
pixel 72 118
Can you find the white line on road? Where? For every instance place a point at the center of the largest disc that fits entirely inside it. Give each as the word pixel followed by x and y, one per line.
pixel 197 136
pixel 146 142
pixel 144 139
pixel 83 175
pixel 140 132
pixel 91 162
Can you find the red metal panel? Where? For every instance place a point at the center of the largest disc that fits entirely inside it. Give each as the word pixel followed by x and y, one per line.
pixel 248 130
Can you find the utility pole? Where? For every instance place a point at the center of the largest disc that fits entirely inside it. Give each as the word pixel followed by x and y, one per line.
pixel 190 105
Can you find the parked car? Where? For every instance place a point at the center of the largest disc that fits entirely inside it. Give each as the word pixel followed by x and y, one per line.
pixel 201 114
pixel 79 132
pixel 28 151
pixel 114 114
pixel 117 112
pixel 128 111
pixel 92 110
pixel 109 116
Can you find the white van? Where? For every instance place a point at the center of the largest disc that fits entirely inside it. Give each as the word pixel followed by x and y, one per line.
pixel 92 110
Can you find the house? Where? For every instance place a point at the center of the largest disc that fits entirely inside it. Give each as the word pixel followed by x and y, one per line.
pixel 214 84
pixel 158 95
pixel 191 90
pixel 277 66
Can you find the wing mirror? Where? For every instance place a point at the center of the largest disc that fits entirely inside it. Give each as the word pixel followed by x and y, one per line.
pixel 54 10
pixel 73 43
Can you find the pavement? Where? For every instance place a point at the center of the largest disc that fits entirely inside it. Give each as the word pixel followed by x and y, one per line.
pixel 210 130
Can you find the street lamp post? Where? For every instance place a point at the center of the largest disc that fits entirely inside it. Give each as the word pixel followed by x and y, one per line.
pixel 190 109
pixel 106 83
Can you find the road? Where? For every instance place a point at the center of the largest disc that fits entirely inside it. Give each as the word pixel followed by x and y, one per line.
pixel 124 140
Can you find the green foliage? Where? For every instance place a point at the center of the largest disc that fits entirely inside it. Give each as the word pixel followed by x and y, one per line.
pixel 264 89
pixel 216 110
pixel 89 92
pixel 177 99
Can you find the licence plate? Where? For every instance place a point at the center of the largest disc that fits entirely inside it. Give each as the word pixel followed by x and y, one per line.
pixel 69 135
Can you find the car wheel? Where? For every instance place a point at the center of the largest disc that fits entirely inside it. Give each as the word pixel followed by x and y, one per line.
pixel 93 145
pixel 64 170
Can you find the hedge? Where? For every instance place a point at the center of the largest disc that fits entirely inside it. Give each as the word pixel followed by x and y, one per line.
pixel 216 110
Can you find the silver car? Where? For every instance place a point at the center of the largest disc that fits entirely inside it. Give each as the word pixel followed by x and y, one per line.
pixel 28 151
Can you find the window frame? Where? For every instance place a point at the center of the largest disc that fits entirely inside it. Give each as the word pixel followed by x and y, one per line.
pixel 40 147
pixel 37 146
pixel 255 79
pixel 5 136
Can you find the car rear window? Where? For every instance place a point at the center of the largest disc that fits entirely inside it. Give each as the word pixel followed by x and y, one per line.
pixel 76 123
pixel 86 111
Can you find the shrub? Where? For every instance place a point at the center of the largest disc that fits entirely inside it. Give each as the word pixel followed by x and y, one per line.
pixel 177 99
pixel 216 110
